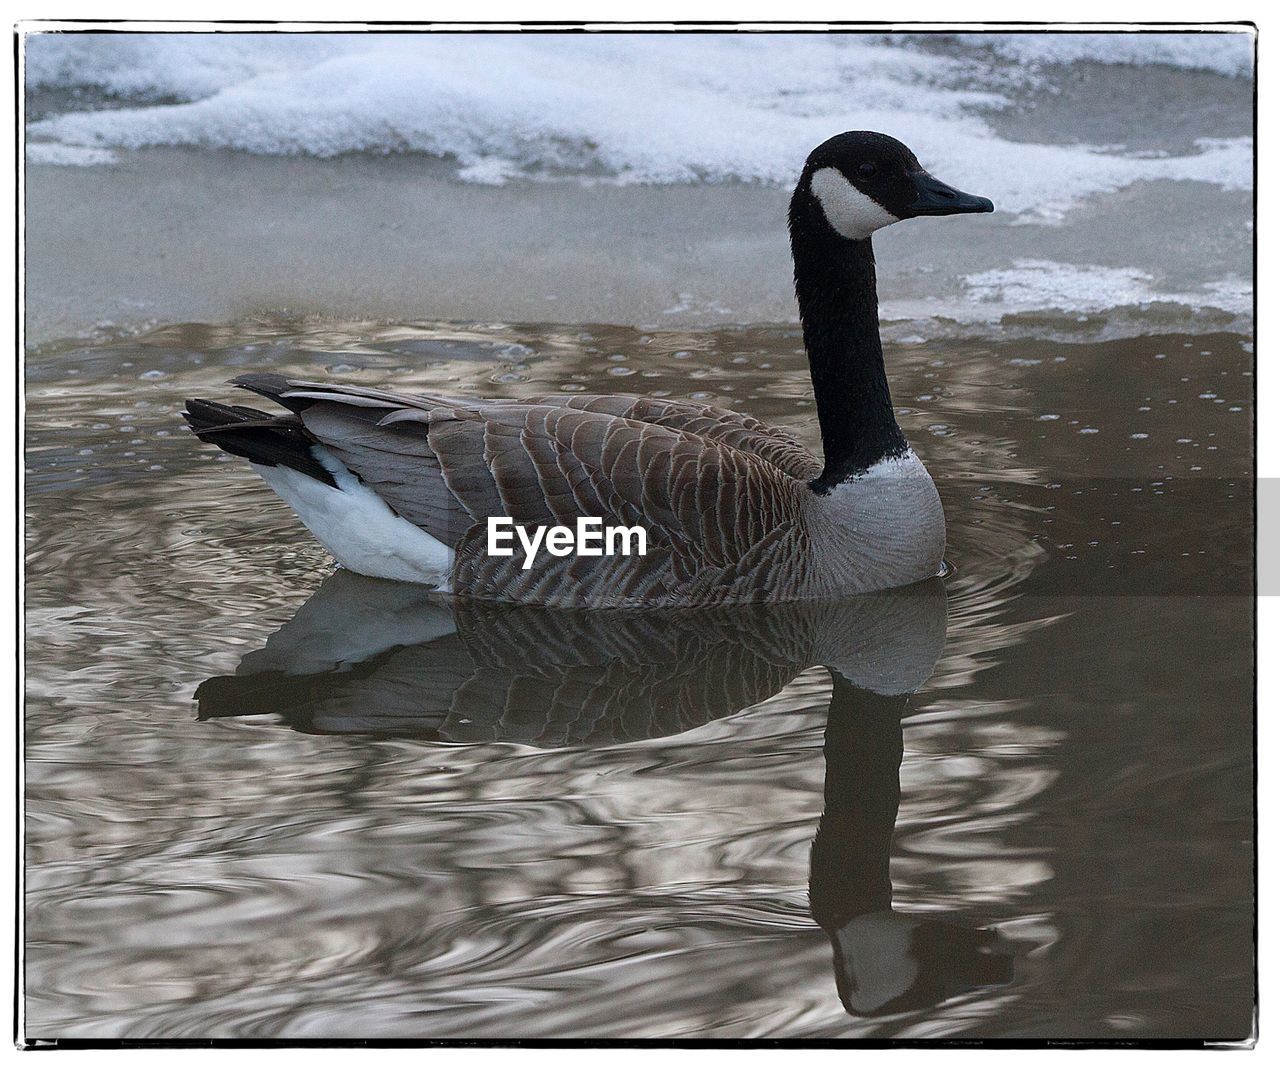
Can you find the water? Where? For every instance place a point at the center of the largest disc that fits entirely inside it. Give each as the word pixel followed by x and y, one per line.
pixel 1031 783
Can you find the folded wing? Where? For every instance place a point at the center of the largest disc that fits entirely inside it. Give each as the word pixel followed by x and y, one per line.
pixel 718 494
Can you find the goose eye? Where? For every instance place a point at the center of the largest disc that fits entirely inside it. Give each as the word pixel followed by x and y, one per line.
pixel 866 169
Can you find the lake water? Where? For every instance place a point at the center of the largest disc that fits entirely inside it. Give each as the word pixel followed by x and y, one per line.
pixel 1031 784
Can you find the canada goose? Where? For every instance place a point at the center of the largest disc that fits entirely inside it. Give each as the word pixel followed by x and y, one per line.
pixel 402 486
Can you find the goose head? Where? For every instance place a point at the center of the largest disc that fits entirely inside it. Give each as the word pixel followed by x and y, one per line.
pixel 860 181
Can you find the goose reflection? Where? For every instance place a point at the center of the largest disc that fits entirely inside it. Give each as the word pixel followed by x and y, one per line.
pixel 378 658
pixel 886 962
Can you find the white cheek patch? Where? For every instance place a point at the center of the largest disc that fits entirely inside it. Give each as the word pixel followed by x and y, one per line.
pixel 847 209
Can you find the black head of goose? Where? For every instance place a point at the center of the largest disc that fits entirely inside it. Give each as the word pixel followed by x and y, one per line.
pixel 731 510
pixel 852 186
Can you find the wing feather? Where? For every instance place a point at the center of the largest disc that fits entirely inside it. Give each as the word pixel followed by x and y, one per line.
pixel 718 494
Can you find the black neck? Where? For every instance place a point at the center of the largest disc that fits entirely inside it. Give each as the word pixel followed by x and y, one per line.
pixel 836 291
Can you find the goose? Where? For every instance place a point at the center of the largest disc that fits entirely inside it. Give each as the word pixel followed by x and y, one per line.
pixel 402 486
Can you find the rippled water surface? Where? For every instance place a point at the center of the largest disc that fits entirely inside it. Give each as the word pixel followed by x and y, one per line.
pixel 1017 802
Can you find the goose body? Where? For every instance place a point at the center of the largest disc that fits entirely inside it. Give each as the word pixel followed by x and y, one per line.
pixel 402 486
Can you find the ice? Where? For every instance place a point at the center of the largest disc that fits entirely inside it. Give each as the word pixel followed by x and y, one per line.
pixel 612 107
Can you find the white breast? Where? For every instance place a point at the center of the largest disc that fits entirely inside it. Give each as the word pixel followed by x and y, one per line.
pixel 880 529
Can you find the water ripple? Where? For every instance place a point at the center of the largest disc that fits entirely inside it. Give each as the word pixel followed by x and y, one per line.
pixel 703 827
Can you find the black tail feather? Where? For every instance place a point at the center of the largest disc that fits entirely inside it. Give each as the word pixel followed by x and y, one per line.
pixel 272 386
pixel 260 437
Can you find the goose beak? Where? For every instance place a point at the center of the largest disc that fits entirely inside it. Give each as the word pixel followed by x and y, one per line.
pixel 936 198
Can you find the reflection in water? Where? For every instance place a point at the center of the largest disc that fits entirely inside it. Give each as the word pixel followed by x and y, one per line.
pixel 885 962
pixel 371 657
pixel 368 656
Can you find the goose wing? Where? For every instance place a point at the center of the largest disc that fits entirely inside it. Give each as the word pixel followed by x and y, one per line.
pixel 778 446
pixel 716 515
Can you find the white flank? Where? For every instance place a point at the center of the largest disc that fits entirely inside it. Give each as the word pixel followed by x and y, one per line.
pixel 357 528
pixel 848 209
